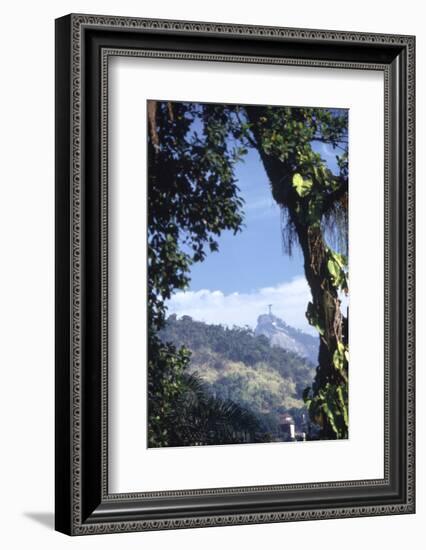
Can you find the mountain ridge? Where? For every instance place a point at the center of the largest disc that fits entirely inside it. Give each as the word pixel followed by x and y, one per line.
pixel 238 365
pixel 284 336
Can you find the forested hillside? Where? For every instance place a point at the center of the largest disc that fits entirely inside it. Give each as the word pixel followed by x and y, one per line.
pixel 238 366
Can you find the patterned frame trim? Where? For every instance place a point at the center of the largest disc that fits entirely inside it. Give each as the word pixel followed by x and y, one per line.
pixel 79 22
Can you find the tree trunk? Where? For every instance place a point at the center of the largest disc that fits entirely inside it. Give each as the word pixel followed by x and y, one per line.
pixel 326 305
pixel 325 301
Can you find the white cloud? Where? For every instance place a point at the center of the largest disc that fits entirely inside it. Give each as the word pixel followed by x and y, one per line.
pixel 261 208
pixel 289 301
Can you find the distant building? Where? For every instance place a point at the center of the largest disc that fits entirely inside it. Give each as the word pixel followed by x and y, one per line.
pixel 287 426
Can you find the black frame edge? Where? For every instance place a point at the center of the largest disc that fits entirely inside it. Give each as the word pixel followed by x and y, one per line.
pixel 102 515
pixel 62 275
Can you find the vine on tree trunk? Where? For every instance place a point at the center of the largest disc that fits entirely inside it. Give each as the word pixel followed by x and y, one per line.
pixel 327 400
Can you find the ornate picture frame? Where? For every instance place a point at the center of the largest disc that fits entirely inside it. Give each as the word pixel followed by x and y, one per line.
pixel 84 45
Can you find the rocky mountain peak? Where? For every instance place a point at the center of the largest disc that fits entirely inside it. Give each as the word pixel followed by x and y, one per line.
pixel 282 335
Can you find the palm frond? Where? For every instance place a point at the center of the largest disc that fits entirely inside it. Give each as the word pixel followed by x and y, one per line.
pixel 289 237
pixel 335 225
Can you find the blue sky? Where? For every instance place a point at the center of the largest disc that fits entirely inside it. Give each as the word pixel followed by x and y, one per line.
pixel 254 257
pixel 250 269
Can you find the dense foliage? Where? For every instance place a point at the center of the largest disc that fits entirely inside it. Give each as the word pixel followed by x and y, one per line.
pixel 237 345
pixel 236 365
pixel 192 197
pixel 192 415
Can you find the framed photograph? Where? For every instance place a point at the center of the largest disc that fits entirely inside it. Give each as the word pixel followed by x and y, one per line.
pixel 228 197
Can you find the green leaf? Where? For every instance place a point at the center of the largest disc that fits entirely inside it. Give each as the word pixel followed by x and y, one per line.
pixel 340 259
pixel 330 416
pixel 335 271
pixel 301 186
pixel 343 405
pixel 335 266
pixel 338 359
